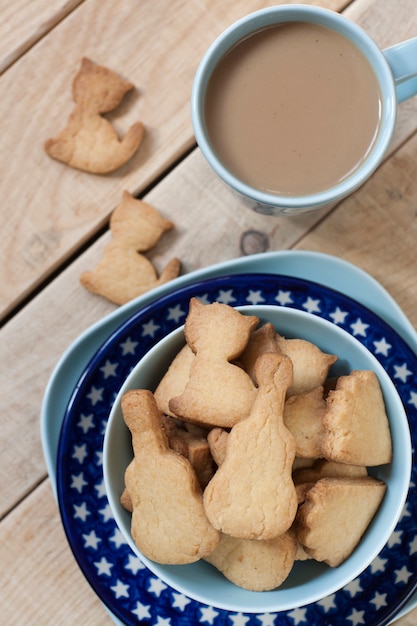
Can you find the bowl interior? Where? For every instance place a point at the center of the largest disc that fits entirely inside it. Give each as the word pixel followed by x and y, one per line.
pixel 309 581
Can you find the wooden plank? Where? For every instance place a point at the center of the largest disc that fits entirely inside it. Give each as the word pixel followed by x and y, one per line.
pixel 40 582
pixel 24 22
pixel 48 209
pixel 376 228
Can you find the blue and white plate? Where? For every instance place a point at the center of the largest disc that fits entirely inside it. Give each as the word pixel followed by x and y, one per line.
pixel 124 584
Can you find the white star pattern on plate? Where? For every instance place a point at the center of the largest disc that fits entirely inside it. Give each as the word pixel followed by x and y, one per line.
pixel 175 313
pixel 180 601
pixel 121 590
pixel 378 565
pixel 163 621
pixel 359 328
pixel 78 482
pixel 134 564
pixel 299 616
pixel 413 546
pixel 395 538
pixel 311 305
pixel 128 346
pixel 402 372
pixel 284 297
pixel 106 513
pixel 356 617
pixel 328 603
pixel 91 540
pixel 156 586
pixel 117 538
pixel 239 619
pixel 101 489
pixel 338 316
pixel 208 614
pixel 81 512
pixel 86 422
pixel 379 599
pixel 109 369
pixel 413 399
pixel 267 619
pixel 150 329
pixel 255 297
pixel 95 395
pixel 402 575
pixel 80 452
pixel 353 587
pixel 103 567
pixel 226 296
pixel 141 611
pixel 382 347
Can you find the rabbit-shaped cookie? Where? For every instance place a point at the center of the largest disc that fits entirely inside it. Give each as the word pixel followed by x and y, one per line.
pixel 168 521
pixel 89 142
pixel 252 494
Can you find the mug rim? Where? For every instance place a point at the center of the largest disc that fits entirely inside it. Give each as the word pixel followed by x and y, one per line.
pixel 271 16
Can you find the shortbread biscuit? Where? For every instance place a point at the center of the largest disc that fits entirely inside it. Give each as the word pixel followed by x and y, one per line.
pixel 255 565
pixel 311 365
pixel 175 379
pixel 89 142
pixel 335 515
pixel 303 416
pixel 252 495
pixel 261 340
pixel 356 424
pixel 218 393
pixel 169 524
pixel 323 468
pixel 217 440
pixel 123 273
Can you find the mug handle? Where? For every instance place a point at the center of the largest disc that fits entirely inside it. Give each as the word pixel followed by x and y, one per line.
pixel 402 59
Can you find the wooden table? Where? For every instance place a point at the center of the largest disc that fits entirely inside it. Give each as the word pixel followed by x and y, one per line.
pixel 53 225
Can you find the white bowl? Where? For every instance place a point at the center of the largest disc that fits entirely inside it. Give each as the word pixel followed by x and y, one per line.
pixel 309 581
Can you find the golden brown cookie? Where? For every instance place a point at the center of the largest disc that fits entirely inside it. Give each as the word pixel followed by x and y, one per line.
pixel 261 340
pixel 356 424
pixel 89 142
pixel 217 440
pixel 124 273
pixel 169 524
pixel 175 379
pixel 311 365
pixel 303 416
pixel 335 515
pixel 218 392
pixel 323 468
pixel 252 495
pixel 255 565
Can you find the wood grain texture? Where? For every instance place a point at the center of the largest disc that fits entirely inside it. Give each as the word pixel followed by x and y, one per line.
pixel 24 22
pixel 376 228
pixel 50 588
pixel 49 210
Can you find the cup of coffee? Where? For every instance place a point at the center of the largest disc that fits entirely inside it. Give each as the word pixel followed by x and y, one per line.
pixel 294 106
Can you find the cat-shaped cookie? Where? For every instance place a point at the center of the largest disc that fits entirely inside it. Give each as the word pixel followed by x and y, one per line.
pixel 89 142
pixel 123 273
pixel 218 392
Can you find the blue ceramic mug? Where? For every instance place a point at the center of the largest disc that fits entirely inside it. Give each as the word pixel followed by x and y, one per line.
pixel 395 69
